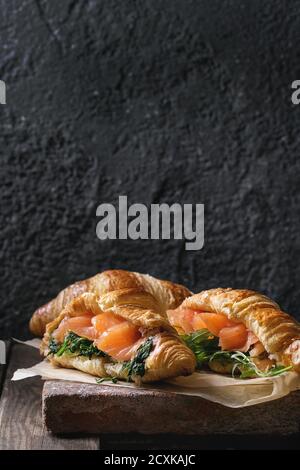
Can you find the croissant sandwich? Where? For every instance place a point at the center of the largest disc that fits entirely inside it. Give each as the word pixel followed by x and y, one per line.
pixel 118 328
pixel 240 332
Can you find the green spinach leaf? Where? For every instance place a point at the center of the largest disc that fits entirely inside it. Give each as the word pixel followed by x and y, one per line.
pixel 137 365
pixel 53 346
pixel 77 346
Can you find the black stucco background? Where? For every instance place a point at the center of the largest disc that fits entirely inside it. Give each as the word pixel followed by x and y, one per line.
pixel 163 101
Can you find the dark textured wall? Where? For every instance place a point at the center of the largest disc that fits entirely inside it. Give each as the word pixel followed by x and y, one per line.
pixel 165 101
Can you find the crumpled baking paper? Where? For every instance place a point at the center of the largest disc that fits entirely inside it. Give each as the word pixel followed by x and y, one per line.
pixel 227 391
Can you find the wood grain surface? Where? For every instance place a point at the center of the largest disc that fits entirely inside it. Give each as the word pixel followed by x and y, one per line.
pixel 76 407
pixel 21 407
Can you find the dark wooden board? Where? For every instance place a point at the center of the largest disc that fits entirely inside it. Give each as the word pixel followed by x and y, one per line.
pixel 21 424
pixel 74 407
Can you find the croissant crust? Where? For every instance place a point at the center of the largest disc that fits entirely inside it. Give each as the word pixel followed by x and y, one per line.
pixel 167 294
pixel 277 331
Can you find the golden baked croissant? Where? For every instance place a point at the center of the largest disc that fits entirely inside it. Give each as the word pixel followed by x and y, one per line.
pixel 170 295
pixel 117 329
pixel 246 322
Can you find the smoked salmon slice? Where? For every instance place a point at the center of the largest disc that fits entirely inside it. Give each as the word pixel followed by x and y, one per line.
pixel 193 320
pixel 106 320
pixel 251 339
pixel 81 325
pixel 111 333
pixel 197 322
pixel 119 340
pixel 215 322
pixel 182 318
pixel 233 337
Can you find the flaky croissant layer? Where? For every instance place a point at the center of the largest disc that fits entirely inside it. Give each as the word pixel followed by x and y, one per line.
pixel 168 295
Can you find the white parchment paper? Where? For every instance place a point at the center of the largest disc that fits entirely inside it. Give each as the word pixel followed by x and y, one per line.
pixel 217 388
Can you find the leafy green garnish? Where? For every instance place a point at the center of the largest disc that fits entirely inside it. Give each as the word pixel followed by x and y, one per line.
pixel 114 380
pixel 53 346
pixel 78 346
pixel 206 348
pixel 137 365
pixel 203 344
pixel 243 364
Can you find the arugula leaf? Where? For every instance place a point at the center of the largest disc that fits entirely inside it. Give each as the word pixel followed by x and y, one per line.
pixel 249 369
pixel 242 364
pixel 78 346
pixel 137 365
pixel 206 348
pixel 203 344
